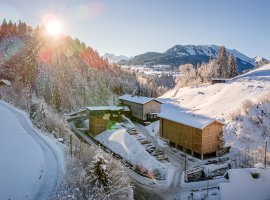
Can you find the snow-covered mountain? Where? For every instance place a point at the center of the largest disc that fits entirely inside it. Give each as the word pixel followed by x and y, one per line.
pixel 194 54
pixel 259 59
pixel 113 58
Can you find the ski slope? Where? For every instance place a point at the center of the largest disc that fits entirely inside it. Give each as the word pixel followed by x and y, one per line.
pixel 30 162
pixel 219 100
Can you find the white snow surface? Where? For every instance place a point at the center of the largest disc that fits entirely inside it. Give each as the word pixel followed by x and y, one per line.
pixel 111 108
pixel 243 186
pixel 136 99
pixel 30 162
pixel 119 141
pixel 190 119
pixel 219 100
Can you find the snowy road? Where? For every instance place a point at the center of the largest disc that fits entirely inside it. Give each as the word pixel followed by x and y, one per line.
pixel 30 162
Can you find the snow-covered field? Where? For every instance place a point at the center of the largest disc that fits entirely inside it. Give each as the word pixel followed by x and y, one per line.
pixel 151 70
pixel 219 100
pixel 30 162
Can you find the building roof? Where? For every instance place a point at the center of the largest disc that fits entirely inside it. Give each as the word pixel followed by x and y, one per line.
pixel 108 108
pixel 189 119
pixel 137 99
pixel 219 79
pixel 4 82
pixel 243 186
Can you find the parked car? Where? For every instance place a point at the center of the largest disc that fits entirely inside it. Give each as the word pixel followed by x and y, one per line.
pixel 130 130
pixel 133 133
pixel 145 142
pixel 156 153
pixel 148 145
pixel 162 157
pixel 151 147
pixel 150 150
pixel 140 138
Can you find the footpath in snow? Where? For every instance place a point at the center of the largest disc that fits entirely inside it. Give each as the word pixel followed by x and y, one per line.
pixel 30 162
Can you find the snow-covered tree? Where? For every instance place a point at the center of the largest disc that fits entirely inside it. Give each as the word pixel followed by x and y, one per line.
pixel 223 67
pixel 233 66
pixel 187 75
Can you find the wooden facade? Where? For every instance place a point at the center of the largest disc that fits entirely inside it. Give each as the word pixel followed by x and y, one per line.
pixel 206 140
pixel 218 80
pixel 141 108
pixel 100 117
pixel 97 125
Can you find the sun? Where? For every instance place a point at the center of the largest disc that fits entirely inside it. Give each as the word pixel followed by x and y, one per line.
pixel 54 27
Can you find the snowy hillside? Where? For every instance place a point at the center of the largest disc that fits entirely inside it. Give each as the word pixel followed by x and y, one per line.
pixel 219 100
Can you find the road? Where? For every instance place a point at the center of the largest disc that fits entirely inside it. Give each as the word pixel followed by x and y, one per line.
pixel 36 170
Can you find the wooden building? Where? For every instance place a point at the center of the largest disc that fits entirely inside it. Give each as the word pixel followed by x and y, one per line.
pixel 218 80
pixel 142 108
pixel 4 82
pixel 196 134
pixel 101 116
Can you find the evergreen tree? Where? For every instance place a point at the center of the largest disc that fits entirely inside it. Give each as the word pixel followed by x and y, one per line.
pixel 4 27
pixel 211 57
pixel 9 27
pixel 57 99
pixel 233 66
pixel 22 28
pixel 223 67
pixel 95 178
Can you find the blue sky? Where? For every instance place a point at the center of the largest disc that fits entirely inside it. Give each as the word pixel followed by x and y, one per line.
pixel 134 27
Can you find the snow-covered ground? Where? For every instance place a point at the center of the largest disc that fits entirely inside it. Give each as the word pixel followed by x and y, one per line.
pixel 151 70
pixel 219 100
pixel 30 162
pixel 242 185
pixel 126 145
pixel 216 101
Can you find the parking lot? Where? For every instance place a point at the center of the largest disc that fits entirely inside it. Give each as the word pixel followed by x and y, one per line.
pixel 149 146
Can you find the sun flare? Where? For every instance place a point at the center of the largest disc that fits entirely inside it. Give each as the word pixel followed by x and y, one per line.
pixel 54 27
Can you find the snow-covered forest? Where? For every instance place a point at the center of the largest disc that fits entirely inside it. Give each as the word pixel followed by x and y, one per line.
pixel 222 67
pixel 50 77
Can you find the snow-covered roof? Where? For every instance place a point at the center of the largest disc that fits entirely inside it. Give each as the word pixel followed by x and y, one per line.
pixel 243 186
pixel 4 82
pixel 189 119
pixel 137 99
pixel 110 108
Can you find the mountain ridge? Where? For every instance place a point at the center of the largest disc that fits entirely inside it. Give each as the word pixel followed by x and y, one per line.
pixel 112 58
pixel 184 54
